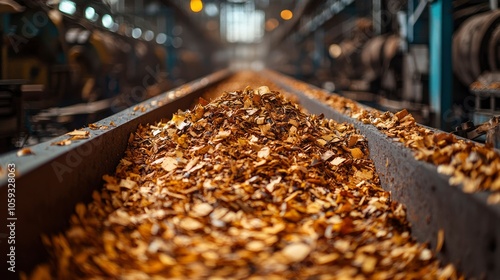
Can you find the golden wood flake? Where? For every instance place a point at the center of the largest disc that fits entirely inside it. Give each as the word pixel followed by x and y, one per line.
pixel 62 143
pixel 24 152
pixel 78 134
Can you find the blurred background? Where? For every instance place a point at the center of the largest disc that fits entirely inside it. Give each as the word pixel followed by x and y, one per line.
pixel 68 63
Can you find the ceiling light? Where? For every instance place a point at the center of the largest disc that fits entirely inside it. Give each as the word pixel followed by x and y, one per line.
pixel 83 37
pixel 107 21
pixel 161 38
pixel 67 7
pixel 149 35
pixel 136 33
pixel 114 27
pixel 286 14
pixel 90 13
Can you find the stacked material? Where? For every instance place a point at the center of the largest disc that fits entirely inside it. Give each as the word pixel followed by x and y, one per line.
pixel 472 166
pixel 247 186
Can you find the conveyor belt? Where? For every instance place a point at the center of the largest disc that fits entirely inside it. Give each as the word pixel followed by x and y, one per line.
pixel 44 202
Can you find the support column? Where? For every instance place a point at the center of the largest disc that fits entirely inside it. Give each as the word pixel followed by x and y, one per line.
pixel 377 16
pixel 494 4
pixel 441 86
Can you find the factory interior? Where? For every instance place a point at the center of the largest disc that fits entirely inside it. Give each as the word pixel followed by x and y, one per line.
pixel 250 139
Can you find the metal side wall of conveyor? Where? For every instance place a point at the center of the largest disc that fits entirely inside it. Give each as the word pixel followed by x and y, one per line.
pixel 44 202
pixel 471 226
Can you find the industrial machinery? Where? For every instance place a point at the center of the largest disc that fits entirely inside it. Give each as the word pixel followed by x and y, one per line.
pixel 78 61
pixel 73 55
pixel 380 53
pixel 490 129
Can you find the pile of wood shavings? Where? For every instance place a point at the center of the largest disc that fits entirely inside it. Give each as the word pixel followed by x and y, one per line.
pixel 474 166
pixel 244 187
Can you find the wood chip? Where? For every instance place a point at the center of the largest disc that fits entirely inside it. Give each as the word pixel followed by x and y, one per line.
pixel 264 152
pixel 357 153
pixel 202 209
pixel 338 161
pixel 62 143
pixel 440 240
pixel 128 184
pixel 353 139
pixel 425 255
pixel 79 134
pixel 169 164
pixel 326 259
pixel 401 114
pixel 190 224
pixel 93 126
pixel 255 246
pixel 270 187
pixel 327 155
pixel 224 134
pixel 369 265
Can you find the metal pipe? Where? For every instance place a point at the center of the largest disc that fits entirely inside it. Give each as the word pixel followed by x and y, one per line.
pixel 494 4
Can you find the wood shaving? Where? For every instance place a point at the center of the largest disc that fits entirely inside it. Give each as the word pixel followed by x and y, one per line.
pixel 78 134
pixel 24 152
pixel 62 143
pixel 440 240
pixel 94 126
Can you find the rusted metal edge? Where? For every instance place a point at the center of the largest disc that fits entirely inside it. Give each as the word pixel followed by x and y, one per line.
pixel 50 183
pixel 471 226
